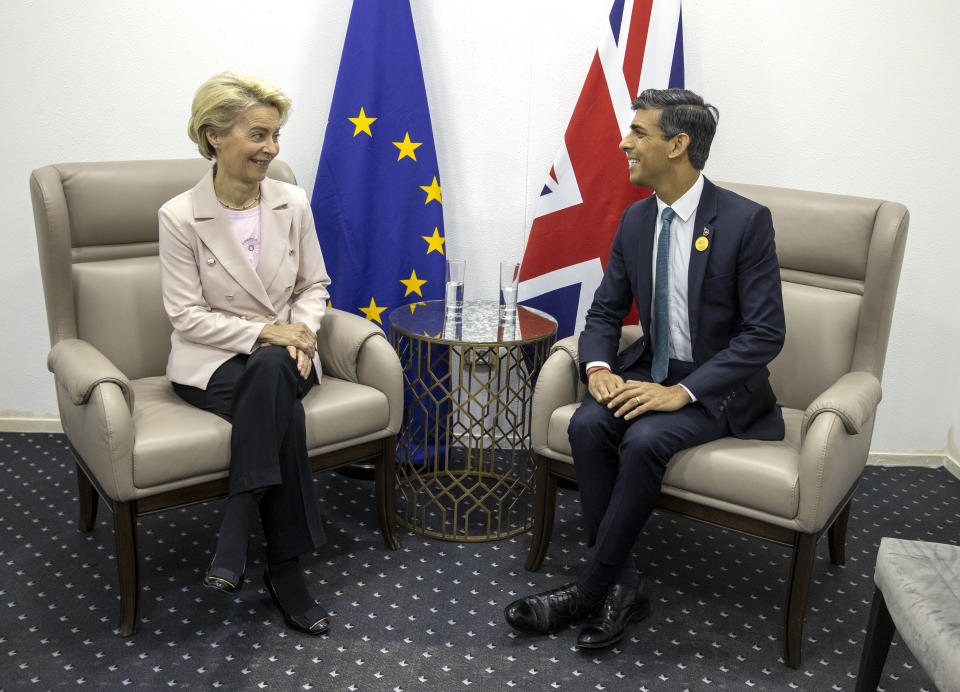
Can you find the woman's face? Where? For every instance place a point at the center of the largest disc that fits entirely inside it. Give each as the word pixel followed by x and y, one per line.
pixel 245 153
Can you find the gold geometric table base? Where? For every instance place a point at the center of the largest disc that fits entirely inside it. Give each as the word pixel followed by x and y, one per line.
pixel 465 471
pixel 465 506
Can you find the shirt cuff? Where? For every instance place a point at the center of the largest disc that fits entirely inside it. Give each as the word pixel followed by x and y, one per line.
pixel 596 364
pixel 693 398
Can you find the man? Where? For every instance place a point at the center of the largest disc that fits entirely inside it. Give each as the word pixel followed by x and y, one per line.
pixel 700 263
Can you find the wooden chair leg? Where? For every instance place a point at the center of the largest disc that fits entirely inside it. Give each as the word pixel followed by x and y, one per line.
pixel 837 536
pixel 128 565
pixel 801 570
pixel 385 476
pixel 877 644
pixel 544 504
pixel 87 498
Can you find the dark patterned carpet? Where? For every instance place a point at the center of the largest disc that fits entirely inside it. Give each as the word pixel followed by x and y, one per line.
pixel 429 617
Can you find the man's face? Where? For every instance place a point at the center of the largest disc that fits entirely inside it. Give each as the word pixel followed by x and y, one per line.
pixel 646 150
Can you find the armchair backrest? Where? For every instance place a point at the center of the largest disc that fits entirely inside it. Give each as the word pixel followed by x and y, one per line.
pixel 840 260
pixel 97 237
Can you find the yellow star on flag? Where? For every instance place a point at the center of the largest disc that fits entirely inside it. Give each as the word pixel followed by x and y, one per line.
pixel 407 147
pixel 414 306
pixel 362 123
pixel 435 241
pixel 372 312
pixel 413 284
pixel 432 190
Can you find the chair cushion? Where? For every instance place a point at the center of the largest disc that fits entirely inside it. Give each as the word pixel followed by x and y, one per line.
pixel 757 474
pixel 920 582
pixel 176 441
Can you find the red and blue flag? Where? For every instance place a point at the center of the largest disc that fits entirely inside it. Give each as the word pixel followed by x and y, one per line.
pixel 588 186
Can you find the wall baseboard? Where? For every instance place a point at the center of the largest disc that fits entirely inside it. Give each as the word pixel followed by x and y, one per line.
pixel 924 460
pixel 952 465
pixel 30 424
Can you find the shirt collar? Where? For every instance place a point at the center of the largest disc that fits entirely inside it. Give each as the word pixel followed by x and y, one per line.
pixel 687 204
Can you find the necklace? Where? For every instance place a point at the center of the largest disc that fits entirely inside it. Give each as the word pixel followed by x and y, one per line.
pixel 251 203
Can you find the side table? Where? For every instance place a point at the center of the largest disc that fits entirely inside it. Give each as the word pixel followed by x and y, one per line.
pixel 465 471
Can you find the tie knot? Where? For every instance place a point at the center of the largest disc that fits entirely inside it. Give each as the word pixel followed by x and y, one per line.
pixel 668 215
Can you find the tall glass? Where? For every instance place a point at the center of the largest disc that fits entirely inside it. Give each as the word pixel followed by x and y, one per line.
pixel 453 294
pixel 509 283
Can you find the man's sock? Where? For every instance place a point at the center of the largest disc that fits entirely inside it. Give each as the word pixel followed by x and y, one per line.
pixel 628 575
pixel 595 580
pixel 598 577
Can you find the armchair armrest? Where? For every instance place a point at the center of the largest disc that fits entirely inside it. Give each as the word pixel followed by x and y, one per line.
pixel 853 398
pixel 834 443
pixel 80 367
pixel 570 346
pixel 339 341
pixel 356 350
pixel 558 384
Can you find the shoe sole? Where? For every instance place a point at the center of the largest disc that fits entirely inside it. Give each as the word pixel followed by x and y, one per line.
pixel 638 616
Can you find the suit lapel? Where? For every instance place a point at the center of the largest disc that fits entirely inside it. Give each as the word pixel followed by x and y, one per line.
pixel 213 227
pixel 702 228
pixel 643 277
pixel 275 220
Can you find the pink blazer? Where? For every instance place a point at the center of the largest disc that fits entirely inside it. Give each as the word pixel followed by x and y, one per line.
pixel 216 301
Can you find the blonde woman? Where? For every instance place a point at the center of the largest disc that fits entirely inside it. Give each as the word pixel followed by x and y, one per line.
pixel 244 285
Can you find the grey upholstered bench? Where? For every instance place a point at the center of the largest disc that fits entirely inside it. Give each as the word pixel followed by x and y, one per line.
pixel 918 593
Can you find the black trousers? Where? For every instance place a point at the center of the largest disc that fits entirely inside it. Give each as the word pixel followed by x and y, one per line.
pixel 620 464
pixel 260 395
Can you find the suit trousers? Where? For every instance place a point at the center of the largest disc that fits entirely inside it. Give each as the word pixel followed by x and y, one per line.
pixel 260 395
pixel 620 463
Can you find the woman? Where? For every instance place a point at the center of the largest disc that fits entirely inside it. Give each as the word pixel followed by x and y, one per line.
pixel 244 285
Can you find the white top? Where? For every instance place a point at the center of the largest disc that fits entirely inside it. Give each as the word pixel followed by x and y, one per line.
pixel 246 224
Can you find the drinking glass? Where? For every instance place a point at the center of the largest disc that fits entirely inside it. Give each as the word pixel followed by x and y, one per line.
pixel 509 282
pixel 453 295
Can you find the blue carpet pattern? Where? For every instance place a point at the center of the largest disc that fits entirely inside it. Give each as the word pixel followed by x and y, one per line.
pixel 429 616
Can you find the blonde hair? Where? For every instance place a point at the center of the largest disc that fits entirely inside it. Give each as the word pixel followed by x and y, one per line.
pixel 221 101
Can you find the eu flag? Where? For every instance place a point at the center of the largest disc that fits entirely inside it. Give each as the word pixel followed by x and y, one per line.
pixel 376 200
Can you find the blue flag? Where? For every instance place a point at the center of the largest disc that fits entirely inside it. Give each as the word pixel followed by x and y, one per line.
pixel 376 200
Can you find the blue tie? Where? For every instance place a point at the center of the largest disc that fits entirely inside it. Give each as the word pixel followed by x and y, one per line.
pixel 661 302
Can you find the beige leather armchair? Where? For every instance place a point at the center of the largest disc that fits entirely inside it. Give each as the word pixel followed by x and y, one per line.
pixel 137 444
pixel 840 263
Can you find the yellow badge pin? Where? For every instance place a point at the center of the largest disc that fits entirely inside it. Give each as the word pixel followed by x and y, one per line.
pixel 701 244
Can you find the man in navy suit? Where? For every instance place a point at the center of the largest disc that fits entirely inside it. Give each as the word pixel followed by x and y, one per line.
pixel 701 265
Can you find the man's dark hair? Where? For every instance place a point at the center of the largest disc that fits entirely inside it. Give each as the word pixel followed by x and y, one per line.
pixel 683 111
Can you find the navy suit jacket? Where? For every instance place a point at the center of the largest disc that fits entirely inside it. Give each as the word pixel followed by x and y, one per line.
pixel 735 306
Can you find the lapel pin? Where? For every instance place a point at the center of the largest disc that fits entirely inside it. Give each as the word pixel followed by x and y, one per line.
pixel 706 231
pixel 701 244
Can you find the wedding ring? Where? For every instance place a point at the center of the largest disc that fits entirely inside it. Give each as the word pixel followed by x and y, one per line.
pixel 637 400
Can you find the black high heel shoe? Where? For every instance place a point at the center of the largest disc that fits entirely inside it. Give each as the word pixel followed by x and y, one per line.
pixel 314 622
pixel 223 579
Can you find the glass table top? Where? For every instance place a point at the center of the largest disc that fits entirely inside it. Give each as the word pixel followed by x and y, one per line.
pixel 479 322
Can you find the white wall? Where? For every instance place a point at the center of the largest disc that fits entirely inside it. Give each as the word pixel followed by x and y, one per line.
pixel 853 97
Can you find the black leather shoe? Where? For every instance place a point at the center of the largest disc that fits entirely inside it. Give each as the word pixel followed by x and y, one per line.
pixel 547 612
pixel 621 605
pixel 223 579
pixel 314 622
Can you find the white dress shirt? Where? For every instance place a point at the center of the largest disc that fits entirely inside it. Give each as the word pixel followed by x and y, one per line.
pixel 681 239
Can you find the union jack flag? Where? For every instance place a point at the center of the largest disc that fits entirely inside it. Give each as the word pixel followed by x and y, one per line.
pixel 588 186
